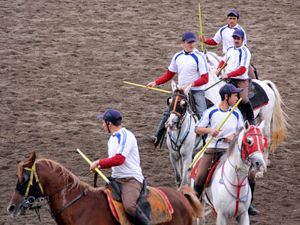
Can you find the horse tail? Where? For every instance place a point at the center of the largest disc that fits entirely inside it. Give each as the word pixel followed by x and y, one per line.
pixel 279 119
pixel 190 195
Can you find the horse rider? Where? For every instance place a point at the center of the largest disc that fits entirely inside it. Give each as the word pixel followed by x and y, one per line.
pixel 208 124
pixel 237 60
pixel 224 36
pixel 124 159
pixel 191 68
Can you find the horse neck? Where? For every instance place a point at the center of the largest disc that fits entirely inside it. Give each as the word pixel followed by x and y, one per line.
pixel 236 167
pixel 211 92
pixel 57 180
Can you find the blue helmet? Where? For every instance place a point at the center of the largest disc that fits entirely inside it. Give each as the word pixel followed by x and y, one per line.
pixel 229 89
pixel 238 33
pixel 111 115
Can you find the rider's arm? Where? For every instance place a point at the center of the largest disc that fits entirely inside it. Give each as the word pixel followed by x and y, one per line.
pixel 203 79
pixel 168 75
pixel 210 41
pixel 116 160
pixel 238 72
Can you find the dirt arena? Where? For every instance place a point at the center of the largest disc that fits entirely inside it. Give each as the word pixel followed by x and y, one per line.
pixel 62 62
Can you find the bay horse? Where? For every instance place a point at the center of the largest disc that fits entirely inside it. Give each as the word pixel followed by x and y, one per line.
pixel 74 202
pixel 181 138
pixel 272 113
pixel 229 191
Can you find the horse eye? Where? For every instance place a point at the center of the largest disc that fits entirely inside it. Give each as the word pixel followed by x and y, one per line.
pixel 182 103
pixel 250 141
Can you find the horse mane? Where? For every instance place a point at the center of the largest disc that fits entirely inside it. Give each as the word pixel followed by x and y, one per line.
pixel 179 91
pixel 66 175
pixel 231 147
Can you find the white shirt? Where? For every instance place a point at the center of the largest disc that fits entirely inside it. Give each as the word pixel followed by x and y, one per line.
pixel 124 142
pixel 224 35
pixel 236 57
pixel 189 67
pixel 213 118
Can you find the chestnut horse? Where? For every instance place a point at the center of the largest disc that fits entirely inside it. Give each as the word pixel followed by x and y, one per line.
pixel 74 202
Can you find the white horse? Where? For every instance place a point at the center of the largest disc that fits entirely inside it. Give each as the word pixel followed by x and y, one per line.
pixel 229 191
pixel 272 113
pixel 181 136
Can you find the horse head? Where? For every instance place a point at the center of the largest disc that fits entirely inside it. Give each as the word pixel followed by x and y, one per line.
pixel 28 188
pixel 178 104
pixel 252 144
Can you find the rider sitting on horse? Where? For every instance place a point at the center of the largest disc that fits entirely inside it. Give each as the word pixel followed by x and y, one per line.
pixel 191 67
pixel 224 36
pixel 208 124
pixel 237 60
pixel 124 159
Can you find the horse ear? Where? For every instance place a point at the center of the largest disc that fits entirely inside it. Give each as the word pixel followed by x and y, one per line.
pixel 173 85
pixel 246 125
pixel 261 126
pixel 187 89
pixel 31 160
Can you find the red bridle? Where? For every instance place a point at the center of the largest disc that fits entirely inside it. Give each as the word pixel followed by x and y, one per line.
pixel 253 142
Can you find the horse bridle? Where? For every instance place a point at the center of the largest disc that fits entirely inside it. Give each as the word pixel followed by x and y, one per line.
pixel 33 192
pixel 176 106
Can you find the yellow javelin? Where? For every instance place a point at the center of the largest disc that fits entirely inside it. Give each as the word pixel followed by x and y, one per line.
pixel 151 88
pixel 197 156
pixel 200 25
pixel 96 169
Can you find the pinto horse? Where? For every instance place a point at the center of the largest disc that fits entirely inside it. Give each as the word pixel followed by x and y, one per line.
pixel 229 192
pixel 73 202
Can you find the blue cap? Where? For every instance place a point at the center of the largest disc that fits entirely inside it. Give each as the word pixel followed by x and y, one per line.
pixel 188 37
pixel 228 89
pixel 233 12
pixel 238 33
pixel 111 115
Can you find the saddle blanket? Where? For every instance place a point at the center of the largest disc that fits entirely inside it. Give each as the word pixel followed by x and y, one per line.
pixel 161 208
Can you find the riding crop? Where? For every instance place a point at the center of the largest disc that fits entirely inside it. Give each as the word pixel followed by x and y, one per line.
pixel 144 86
pixel 197 156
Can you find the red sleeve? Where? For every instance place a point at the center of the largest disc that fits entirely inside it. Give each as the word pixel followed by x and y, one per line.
pixel 241 70
pixel 116 160
pixel 210 41
pixel 203 79
pixel 221 64
pixel 168 75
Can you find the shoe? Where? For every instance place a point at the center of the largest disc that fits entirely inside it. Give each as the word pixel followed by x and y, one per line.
pixel 252 211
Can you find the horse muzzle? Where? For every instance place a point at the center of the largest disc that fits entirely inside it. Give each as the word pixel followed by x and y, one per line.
pixel 258 163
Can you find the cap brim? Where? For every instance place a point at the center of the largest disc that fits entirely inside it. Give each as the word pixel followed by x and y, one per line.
pixel 190 40
pixel 100 116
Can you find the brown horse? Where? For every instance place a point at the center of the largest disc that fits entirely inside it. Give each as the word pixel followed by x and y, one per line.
pixel 74 202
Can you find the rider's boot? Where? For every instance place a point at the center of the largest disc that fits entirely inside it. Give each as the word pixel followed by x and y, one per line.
pixel 252 210
pixel 140 218
pixel 249 113
pixel 161 130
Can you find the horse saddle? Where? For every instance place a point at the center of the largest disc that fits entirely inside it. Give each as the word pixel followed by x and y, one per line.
pixel 211 171
pixel 257 95
pixel 161 209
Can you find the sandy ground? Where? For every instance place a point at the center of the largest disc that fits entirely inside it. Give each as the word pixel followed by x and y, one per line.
pixel 62 62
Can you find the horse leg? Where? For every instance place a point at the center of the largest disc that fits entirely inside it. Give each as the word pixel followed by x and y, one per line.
pixel 243 219
pixel 175 161
pixel 221 219
pixel 186 161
